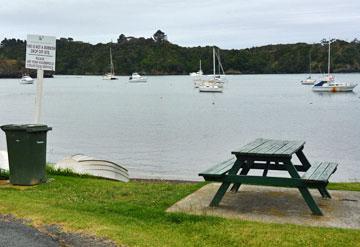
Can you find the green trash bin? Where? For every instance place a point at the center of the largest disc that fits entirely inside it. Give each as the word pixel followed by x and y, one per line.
pixel 26 145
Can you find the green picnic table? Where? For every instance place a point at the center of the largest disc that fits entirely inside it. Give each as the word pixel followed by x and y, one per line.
pixel 268 154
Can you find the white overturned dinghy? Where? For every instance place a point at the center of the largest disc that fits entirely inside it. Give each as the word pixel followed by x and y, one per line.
pixel 83 164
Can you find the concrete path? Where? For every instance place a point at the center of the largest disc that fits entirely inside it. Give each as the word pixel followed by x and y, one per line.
pixel 277 205
pixel 16 233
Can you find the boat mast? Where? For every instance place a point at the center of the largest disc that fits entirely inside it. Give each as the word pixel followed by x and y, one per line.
pixel 111 64
pixel 214 61
pixel 310 63
pixel 200 65
pixel 329 58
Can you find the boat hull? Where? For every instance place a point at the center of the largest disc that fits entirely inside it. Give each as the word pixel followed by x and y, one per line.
pixel 308 82
pixel 83 164
pixel 138 80
pixel 333 89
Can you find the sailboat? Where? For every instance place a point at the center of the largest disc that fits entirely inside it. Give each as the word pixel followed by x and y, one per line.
pixel 198 77
pixel 198 73
pixel 328 84
pixel 111 74
pixel 214 83
pixel 309 80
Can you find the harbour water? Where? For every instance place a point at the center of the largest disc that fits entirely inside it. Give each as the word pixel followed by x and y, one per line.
pixel 167 129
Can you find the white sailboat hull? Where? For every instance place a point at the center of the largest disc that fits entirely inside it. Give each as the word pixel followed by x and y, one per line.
pixel 138 80
pixel 211 88
pixel 308 82
pixel 334 88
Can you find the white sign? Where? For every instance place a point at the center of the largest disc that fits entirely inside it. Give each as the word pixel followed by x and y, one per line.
pixel 40 52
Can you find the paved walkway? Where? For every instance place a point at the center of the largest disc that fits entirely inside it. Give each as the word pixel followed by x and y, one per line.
pixel 277 205
pixel 16 233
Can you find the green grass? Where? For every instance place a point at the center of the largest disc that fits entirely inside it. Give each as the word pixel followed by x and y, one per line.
pixel 133 214
pixel 344 186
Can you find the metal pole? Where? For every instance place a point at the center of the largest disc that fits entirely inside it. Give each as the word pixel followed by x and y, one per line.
pixel 39 95
pixel 329 58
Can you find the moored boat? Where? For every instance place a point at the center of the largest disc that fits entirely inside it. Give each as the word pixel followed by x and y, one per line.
pixel 83 164
pixel 324 86
pixel 135 77
pixel 111 74
pixel 26 79
pixel 328 84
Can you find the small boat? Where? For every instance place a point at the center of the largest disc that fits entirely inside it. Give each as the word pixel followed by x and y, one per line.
pixel 135 77
pixel 111 74
pixel 211 87
pixel 325 86
pixel 198 73
pixel 328 84
pixel 26 79
pixel 309 80
pixel 83 164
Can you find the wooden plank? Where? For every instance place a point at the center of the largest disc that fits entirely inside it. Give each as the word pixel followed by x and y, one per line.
pixel 319 171
pixel 267 181
pixel 262 148
pixel 276 147
pixel 311 170
pixel 330 169
pixel 250 146
pixel 220 168
pixel 290 148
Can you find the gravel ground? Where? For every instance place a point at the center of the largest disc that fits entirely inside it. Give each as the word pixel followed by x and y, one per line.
pixel 17 233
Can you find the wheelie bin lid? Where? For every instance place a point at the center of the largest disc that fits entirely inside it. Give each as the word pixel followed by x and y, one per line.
pixel 25 127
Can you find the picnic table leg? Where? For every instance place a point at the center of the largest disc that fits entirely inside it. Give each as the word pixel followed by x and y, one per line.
pixel 304 161
pixel 324 192
pixel 244 171
pixel 225 185
pixel 303 190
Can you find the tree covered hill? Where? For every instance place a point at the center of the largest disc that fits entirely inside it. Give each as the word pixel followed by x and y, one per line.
pixel 157 56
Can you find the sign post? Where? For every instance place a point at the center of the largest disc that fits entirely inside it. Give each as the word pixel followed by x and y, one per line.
pixel 40 55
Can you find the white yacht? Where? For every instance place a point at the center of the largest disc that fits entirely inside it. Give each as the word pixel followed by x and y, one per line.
pixel 26 79
pixel 135 77
pixel 328 84
pixel 211 87
pixel 111 74
pixel 214 82
pixel 324 86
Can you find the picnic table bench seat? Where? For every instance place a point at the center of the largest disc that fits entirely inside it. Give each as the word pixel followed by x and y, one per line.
pixel 320 172
pixel 218 170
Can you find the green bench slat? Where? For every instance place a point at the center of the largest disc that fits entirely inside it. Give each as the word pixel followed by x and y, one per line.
pixel 220 168
pixel 250 146
pixel 290 148
pixel 320 171
pixel 270 147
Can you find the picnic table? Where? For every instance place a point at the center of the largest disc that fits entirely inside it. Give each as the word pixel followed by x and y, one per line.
pixel 268 154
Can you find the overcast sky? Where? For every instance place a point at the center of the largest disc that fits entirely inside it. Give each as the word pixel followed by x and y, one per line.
pixel 226 23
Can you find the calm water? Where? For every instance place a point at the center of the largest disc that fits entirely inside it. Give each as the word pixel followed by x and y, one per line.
pixel 167 129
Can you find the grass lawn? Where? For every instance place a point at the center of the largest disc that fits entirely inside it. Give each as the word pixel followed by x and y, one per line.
pixel 132 214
